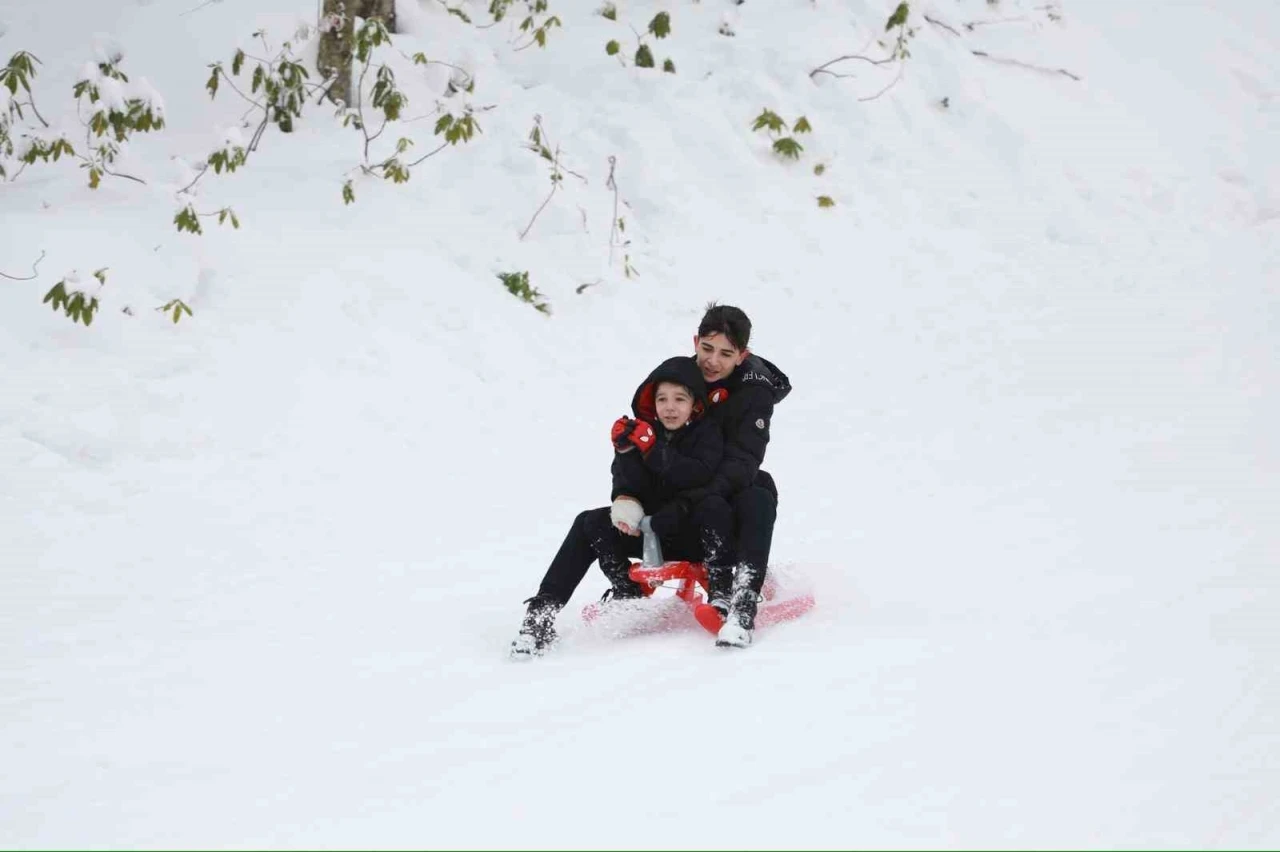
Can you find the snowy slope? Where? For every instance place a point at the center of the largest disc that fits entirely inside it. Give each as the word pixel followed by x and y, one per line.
pixel 262 566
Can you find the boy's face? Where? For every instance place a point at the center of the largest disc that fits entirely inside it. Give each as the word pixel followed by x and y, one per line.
pixel 717 356
pixel 674 404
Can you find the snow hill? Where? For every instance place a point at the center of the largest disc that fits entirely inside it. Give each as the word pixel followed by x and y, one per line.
pixel 260 567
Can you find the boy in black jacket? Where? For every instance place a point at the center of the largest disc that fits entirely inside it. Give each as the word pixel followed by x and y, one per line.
pixel 667 450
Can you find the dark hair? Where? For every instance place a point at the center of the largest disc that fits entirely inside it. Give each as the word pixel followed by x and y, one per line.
pixel 727 320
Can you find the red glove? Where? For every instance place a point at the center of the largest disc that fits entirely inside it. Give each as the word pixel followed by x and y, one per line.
pixel 636 432
pixel 642 436
pixel 621 429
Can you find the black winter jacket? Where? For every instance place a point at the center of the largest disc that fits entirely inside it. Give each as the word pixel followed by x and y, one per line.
pixel 680 461
pixel 742 406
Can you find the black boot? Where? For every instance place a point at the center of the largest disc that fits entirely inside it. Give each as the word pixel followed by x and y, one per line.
pixel 618 572
pixel 720 587
pixel 537 631
pixel 740 623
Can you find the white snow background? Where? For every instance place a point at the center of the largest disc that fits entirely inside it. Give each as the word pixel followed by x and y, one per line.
pixel 260 568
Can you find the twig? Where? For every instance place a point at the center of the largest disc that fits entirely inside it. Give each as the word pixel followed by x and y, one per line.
pixel 108 171
pixel 236 88
pixel 1022 64
pixel 946 27
pixel 35 271
pixel 196 179
pixel 555 185
pixel 198 8
pixel 360 110
pixel 613 185
pixel 901 70
pixel 822 69
pixel 972 25
pixel 443 145
pixel 32 103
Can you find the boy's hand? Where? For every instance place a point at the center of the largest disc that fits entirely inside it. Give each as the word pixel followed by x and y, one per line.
pixel 618 434
pixel 627 433
pixel 666 521
pixel 642 436
pixel 626 514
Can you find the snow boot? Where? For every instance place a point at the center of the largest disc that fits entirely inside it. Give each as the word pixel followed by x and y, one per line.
pixel 741 620
pixel 711 615
pixel 537 631
pixel 618 572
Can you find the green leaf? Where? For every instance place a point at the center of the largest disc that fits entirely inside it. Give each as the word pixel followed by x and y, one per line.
pixel 443 123
pixel 644 57
pixel 259 78
pixel 769 119
pixel 420 58
pixel 819 169
pixel 610 11
pixel 57 294
pixel 212 85
pixel 802 126
pixel 612 47
pixel 348 193
pixel 826 201
pixel 668 66
pixel 788 147
pixel 95 177
pixel 237 62
pixel 235 223
pixel 898 18
pixel 660 26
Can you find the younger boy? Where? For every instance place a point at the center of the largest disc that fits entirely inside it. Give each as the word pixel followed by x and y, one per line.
pixel 668 448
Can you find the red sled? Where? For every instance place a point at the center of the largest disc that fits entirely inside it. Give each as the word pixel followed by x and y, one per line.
pixel 691 587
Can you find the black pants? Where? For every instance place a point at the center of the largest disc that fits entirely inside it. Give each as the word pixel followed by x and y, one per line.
pixel 754 511
pixel 717 532
pixel 706 535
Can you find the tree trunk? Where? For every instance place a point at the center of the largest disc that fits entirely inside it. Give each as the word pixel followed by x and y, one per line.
pixel 384 9
pixel 337 32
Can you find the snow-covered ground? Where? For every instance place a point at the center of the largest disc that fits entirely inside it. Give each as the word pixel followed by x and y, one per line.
pixel 261 567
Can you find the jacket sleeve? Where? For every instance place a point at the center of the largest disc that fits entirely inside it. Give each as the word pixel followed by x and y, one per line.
pixel 745 442
pixel 692 466
pixel 629 476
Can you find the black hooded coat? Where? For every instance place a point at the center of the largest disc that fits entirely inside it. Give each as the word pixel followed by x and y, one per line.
pixel 680 461
pixel 742 406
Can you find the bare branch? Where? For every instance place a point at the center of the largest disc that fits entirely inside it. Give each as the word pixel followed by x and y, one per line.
pixel 822 69
pixel 196 179
pixel 972 25
pixel 946 27
pixel 443 145
pixel 555 185
pixel 35 271
pixel 613 185
pixel 198 8
pixel 1022 64
pixel 236 89
pixel 108 171
pixel 901 70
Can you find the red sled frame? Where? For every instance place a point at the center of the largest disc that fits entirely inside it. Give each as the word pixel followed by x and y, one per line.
pixel 693 588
